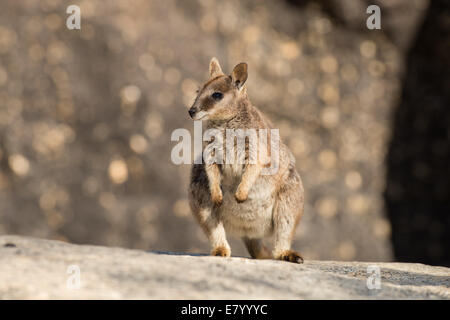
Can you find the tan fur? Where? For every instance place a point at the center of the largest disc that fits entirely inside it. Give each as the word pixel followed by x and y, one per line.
pixel 236 198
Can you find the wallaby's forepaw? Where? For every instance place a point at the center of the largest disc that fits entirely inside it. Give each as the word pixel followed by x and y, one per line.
pixel 216 197
pixel 221 252
pixel 290 256
pixel 241 195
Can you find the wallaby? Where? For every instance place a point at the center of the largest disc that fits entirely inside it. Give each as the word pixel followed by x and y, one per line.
pixel 236 198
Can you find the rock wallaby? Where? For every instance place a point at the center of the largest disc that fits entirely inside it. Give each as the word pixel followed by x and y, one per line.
pixel 236 198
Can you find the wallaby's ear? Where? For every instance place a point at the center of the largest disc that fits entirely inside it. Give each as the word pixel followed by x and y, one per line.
pixel 239 75
pixel 214 68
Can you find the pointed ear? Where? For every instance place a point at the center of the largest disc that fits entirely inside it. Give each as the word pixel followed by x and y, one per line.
pixel 239 75
pixel 214 68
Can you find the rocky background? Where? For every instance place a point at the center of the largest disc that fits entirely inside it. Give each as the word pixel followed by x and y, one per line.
pixel 86 118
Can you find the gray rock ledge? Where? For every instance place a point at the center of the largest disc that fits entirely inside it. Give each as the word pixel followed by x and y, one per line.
pixel 38 269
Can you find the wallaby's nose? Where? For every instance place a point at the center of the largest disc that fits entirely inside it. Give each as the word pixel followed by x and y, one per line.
pixel 192 112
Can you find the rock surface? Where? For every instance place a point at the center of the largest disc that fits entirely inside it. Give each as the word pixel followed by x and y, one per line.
pixel 38 269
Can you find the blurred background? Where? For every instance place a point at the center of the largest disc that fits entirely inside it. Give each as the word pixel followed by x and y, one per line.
pixel 86 117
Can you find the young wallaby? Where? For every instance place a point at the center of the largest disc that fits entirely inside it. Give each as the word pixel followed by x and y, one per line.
pixel 236 198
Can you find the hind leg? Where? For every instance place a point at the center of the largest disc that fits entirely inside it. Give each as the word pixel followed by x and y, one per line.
pixel 215 232
pixel 287 212
pixel 205 211
pixel 257 249
pixel 284 229
pixel 217 238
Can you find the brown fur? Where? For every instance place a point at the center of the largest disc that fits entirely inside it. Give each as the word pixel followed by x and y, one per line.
pixel 236 198
pixel 221 252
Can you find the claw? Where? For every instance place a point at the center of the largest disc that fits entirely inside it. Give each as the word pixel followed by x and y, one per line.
pixel 291 256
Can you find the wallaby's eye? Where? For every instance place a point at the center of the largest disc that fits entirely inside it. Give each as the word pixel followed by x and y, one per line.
pixel 217 96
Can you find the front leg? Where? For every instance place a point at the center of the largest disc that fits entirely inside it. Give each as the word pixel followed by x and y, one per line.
pixel 249 177
pixel 214 179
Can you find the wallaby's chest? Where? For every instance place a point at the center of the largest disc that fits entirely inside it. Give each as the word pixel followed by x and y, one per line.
pixel 251 218
pixel 232 173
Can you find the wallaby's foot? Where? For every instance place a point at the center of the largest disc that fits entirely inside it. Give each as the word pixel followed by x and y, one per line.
pixel 290 256
pixel 221 252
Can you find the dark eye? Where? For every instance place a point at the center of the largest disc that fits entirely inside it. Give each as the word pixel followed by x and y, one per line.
pixel 217 96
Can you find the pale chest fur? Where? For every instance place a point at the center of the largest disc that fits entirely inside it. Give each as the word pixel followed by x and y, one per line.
pixel 253 217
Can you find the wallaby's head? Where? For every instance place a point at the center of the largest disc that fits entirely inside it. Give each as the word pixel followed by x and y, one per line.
pixel 217 98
